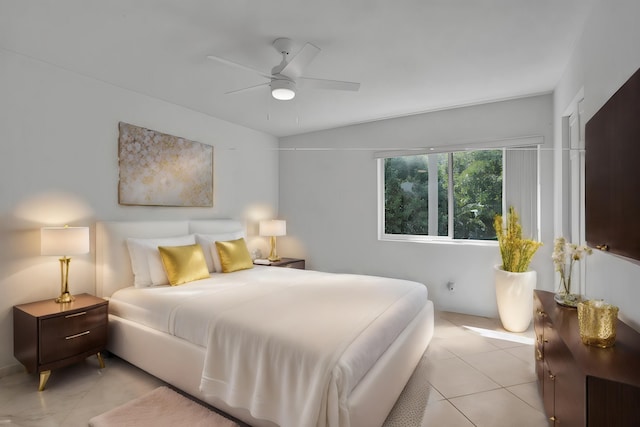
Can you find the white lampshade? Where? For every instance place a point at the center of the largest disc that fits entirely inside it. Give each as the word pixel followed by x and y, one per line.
pixel 273 227
pixel 63 241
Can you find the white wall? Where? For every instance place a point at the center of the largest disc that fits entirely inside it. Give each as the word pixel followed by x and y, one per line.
pixel 328 195
pixel 606 55
pixel 58 164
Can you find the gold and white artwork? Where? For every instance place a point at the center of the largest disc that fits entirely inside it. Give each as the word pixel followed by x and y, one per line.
pixel 157 169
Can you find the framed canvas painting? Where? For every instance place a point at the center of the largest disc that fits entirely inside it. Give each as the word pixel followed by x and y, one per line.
pixel 157 169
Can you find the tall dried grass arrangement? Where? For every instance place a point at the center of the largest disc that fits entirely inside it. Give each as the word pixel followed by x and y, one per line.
pixel 516 252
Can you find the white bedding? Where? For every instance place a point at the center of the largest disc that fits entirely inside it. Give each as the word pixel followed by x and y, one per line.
pixel 245 320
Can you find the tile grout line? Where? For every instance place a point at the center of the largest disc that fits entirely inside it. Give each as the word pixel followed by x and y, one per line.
pixel 448 399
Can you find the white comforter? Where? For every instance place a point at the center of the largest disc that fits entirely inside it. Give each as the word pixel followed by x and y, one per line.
pixel 289 345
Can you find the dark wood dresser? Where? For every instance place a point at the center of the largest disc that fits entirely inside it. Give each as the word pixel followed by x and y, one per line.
pixel 583 385
pixel 48 335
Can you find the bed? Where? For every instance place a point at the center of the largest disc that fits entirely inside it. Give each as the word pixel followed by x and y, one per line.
pixel 337 364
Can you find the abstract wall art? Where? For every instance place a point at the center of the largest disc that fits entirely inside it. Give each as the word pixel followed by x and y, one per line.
pixel 157 169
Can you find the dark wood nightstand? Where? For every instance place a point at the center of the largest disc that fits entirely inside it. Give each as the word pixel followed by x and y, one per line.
pixel 289 263
pixel 48 335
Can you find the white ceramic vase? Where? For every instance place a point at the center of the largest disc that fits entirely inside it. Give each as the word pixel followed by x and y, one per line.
pixel 514 294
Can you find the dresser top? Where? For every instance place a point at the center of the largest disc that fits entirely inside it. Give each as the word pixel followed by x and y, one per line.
pixel 619 363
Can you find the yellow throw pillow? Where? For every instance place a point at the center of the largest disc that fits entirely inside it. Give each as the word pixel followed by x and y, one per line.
pixel 183 263
pixel 234 255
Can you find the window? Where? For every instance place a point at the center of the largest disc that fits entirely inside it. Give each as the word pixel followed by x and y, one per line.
pixel 447 195
pixel 431 194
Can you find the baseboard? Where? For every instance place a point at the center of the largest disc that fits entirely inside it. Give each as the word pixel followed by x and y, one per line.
pixel 10 369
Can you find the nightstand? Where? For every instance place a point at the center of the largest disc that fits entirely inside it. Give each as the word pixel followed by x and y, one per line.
pixel 48 335
pixel 289 263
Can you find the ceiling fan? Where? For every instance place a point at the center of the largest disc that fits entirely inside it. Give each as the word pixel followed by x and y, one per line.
pixel 287 76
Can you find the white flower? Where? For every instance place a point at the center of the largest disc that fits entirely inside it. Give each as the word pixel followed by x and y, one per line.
pixel 563 250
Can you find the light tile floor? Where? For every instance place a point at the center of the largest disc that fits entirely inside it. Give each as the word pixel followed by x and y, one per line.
pixel 479 380
pixel 465 379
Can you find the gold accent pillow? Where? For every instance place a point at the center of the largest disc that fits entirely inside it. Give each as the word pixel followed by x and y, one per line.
pixel 183 263
pixel 234 255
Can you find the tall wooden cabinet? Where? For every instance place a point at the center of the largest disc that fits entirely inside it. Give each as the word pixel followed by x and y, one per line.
pixel 612 181
pixel 583 385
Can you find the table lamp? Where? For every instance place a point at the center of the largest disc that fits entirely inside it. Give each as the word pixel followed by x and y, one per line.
pixel 273 228
pixel 64 241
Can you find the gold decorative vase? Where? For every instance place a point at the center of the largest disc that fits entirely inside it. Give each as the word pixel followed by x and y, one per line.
pixel 597 321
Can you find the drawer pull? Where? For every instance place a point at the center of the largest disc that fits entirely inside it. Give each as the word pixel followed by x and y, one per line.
pixel 540 313
pixel 553 418
pixel 82 313
pixel 552 377
pixel 70 337
pixel 538 354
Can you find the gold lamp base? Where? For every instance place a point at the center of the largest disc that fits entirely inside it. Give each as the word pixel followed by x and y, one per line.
pixel 273 254
pixel 65 295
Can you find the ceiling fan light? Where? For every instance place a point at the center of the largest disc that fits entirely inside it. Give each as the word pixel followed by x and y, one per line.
pixel 283 90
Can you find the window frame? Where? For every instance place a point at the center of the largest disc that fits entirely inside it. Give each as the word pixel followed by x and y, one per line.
pixel 533 142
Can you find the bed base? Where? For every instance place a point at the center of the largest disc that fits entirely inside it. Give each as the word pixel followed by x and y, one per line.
pixel 180 363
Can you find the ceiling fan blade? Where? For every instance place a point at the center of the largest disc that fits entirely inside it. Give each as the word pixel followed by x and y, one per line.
pixel 328 84
pixel 298 63
pixel 246 89
pixel 235 64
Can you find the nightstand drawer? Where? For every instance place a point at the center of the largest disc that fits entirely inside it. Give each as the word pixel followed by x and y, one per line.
pixel 54 347
pixel 69 334
pixel 72 323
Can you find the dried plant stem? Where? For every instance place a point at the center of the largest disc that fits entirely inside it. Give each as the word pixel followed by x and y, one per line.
pixel 516 252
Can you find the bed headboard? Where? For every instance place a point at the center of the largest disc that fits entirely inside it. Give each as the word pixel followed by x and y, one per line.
pixel 113 267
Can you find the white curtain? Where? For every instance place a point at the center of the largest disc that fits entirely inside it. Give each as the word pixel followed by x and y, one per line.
pixel 521 187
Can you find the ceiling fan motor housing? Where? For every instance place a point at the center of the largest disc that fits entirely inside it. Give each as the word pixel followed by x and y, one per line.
pixel 283 45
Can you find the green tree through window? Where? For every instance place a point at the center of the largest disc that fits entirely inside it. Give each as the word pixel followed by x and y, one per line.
pixel 476 193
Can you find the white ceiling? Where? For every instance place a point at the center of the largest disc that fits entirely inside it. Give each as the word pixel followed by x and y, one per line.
pixel 410 56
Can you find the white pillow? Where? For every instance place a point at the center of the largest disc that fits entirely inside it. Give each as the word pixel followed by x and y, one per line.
pixel 145 258
pixel 208 243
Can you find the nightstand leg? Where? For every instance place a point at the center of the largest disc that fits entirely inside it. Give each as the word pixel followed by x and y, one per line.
pixel 44 377
pixel 100 360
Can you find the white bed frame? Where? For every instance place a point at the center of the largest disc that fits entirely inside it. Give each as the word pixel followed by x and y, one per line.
pixel 180 363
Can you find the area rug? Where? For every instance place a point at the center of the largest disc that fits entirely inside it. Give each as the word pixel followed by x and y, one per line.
pixel 410 406
pixel 161 407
